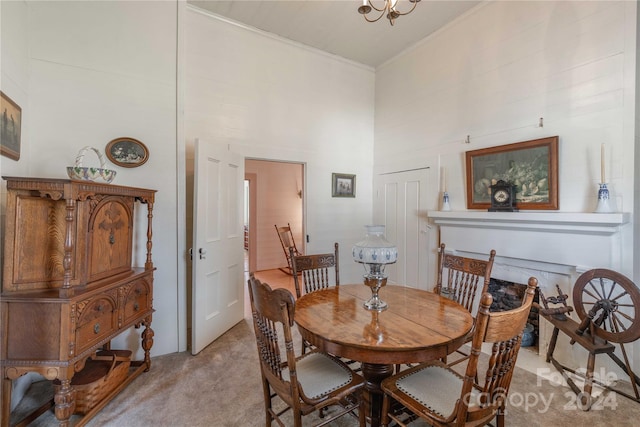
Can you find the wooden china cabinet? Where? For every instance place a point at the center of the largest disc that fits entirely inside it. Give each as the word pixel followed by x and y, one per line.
pixel 68 285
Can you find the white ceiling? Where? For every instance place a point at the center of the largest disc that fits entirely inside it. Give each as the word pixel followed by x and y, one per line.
pixel 335 26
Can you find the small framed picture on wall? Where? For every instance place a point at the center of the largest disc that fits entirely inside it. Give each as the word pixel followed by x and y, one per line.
pixel 10 127
pixel 127 152
pixel 343 185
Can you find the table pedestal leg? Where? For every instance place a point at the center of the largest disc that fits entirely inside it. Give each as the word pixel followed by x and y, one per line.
pixel 374 374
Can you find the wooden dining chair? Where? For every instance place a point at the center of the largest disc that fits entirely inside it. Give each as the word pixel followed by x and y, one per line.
pixel 441 396
pixel 461 279
pixel 288 245
pixel 317 271
pixel 307 383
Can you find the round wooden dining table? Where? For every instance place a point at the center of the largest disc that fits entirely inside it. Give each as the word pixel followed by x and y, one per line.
pixel 416 327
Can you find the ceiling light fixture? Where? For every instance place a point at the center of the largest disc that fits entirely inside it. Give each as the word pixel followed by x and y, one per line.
pixel 389 9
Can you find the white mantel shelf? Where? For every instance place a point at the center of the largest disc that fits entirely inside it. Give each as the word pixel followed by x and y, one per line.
pixel 560 222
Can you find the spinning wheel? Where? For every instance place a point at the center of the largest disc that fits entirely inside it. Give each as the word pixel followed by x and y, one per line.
pixel 609 304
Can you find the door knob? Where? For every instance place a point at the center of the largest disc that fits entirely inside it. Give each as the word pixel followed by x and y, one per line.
pixel 202 253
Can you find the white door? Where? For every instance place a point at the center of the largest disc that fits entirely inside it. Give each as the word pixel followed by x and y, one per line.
pixel 218 239
pixel 401 205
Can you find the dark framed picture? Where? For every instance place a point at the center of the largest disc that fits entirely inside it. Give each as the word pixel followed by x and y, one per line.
pixel 532 166
pixel 343 185
pixel 127 152
pixel 10 127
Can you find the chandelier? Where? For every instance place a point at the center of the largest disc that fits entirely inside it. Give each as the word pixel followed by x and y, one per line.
pixel 389 8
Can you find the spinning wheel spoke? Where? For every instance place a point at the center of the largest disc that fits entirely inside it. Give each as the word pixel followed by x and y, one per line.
pixel 616 325
pixel 612 300
pixel 602 286
pixel 626 305
pixel 624 293
pixel 626 316
pixel 595 297
pixel 610 290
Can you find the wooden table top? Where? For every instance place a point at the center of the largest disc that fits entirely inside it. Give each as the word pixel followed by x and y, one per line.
pixel 418 325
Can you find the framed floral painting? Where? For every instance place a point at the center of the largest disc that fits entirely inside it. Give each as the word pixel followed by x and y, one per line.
pixel 531 166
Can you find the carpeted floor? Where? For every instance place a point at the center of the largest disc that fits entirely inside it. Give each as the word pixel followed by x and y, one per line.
pixel 221 387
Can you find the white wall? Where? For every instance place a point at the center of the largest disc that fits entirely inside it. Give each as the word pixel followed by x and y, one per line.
pixel 97 71
pixel 494 72
pixel 85 73
pixel 14 80
pixel 636 181
pixel 272 99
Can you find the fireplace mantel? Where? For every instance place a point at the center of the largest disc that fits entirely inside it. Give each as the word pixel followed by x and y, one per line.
pixel 561 222
pixel 554 247
pixel 582 240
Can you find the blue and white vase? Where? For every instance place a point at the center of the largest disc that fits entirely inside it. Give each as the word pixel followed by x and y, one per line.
pixel 445 202
pixel 603 200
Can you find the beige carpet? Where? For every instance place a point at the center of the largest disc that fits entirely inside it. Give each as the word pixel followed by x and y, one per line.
pixel 221 387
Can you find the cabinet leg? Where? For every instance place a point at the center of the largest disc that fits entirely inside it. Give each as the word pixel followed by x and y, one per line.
pixel 147 342
pixel 65 399
pixel 6 402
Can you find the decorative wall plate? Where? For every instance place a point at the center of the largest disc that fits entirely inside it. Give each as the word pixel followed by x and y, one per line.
pixel 127 152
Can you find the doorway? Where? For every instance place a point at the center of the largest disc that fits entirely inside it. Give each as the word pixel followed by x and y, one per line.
pixel 275 197
pixel 400 203
pixel 274 194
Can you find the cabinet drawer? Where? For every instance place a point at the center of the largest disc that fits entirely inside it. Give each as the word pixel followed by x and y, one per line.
pixel 138 298
pixel 97 319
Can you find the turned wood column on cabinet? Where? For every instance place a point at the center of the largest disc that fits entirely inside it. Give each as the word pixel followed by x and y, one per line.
pixel 69 286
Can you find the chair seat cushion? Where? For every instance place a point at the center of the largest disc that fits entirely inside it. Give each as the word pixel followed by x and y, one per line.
pixel 435 387
pixel 319 374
